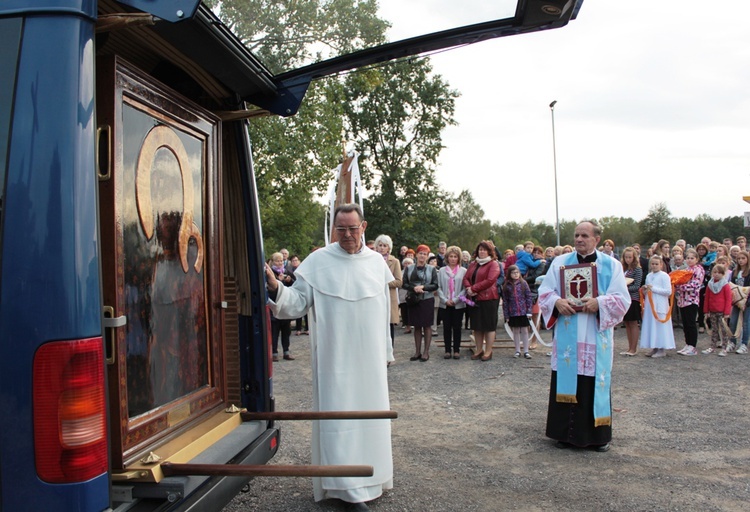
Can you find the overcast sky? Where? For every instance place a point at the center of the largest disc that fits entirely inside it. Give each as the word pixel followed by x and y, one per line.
pixel 653 105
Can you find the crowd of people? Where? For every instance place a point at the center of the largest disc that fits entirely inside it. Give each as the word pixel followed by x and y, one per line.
pixel 689 288
pixel 458 289
pixel 669 286
pixel 582 292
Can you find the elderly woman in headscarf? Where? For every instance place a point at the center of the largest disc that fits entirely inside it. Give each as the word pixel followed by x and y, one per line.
pixel 420 281
pixel 384 245
pixel 480 282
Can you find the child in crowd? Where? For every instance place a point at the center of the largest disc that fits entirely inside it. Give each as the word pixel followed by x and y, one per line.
pixel 517 304
pixel 677 263
pixel 717 306
pixel 707 259
pixel 688 298
pixel 678 260
pixel 656 326
pixel 524 259
pixel 741 277
pixel 724 260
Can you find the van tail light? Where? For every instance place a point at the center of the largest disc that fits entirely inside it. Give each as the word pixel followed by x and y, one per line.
pixel 70 423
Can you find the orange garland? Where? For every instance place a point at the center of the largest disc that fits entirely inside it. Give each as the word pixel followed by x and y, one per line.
pixel 651 302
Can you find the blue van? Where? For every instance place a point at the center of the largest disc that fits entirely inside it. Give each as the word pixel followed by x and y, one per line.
pixel 133 326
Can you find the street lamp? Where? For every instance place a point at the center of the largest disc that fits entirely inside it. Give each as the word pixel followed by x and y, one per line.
pixel 554 160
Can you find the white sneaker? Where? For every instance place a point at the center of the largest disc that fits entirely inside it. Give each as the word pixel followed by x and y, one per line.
pixel 730 347
pixel 682 350
pixel 709 350
pixel 690 351
pixel 742 349
pixel 722 353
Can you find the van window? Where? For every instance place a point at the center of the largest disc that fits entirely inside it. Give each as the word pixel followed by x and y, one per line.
pixel 10 41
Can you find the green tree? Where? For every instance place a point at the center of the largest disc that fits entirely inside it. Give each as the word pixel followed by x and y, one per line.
pixel 285 34
pixel 658 224
pixel 623 231
pixel 692 230
pixel 293 158
pixel 396 116
pixel 467 223
pixel 567 231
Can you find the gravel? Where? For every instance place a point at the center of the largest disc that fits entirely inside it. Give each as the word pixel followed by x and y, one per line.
pixel 470 436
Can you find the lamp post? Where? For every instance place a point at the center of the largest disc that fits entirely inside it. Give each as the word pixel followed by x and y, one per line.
pixel 554 160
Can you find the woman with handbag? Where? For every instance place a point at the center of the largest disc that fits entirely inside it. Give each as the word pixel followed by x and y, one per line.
pixel 740 277
pixel 480 282
pixel 420 281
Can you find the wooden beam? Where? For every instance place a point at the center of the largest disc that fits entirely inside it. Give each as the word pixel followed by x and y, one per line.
pixel 318 415
pixel 171 469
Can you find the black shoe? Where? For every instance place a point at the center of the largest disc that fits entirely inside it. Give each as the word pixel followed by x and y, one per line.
pixel 361 506
pixel 602 448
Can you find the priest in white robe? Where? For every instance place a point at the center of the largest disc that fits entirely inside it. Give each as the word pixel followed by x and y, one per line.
pixel 580 409
pixel 343 288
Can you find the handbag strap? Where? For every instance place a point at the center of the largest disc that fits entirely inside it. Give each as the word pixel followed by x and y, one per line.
pixel 474 275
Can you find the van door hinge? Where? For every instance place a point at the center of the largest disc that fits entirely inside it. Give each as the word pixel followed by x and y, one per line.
pixel 104 152
pixel 110 322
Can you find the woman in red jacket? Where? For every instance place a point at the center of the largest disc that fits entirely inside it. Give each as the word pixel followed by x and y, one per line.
pixel 481 288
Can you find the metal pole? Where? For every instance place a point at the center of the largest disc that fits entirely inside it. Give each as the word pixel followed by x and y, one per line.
pixel 554 160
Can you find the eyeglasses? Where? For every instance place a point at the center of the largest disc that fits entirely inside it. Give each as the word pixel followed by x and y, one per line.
pixel 342 230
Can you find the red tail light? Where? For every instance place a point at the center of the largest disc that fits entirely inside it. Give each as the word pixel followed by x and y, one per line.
pixel 70 422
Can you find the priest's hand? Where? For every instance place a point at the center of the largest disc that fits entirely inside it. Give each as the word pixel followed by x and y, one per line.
pixel 271 282
pixel 564 307
pixel 590 305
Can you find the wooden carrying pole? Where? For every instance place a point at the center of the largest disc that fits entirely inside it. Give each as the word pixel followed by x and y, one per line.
pixel 318 415
pixel 172 469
